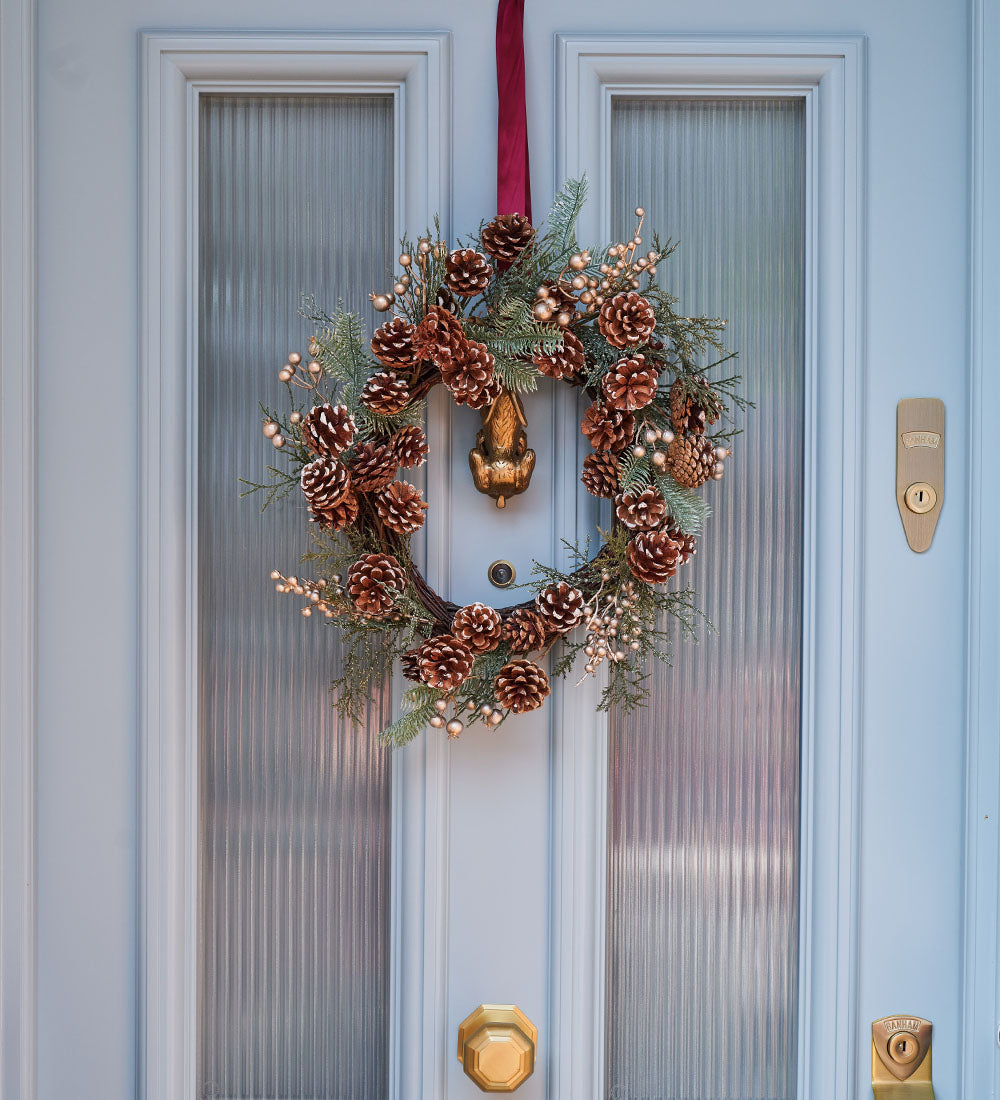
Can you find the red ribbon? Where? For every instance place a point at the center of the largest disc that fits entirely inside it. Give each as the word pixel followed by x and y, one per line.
pixel 513 178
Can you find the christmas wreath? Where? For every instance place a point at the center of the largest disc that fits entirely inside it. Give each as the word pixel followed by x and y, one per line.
pixel 488 319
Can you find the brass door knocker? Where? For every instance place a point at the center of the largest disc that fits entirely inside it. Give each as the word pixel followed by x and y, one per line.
pixel 501 461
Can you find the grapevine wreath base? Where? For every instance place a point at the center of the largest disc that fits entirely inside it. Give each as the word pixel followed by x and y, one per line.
pixel 487 319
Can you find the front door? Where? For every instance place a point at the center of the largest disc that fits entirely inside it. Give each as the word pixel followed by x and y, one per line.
pixel 240 893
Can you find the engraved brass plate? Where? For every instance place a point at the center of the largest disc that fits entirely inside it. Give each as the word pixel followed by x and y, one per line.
pixel 496 1046
pixel 920 468
pixel 901 1059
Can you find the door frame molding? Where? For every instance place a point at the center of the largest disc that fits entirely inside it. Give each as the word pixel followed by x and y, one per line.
pixel 829 74
pixel 175 68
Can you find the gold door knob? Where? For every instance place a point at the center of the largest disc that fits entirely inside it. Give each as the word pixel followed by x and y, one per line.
pixel 496 1046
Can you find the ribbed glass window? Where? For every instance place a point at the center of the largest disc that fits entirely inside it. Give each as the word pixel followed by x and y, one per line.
pixel 704 784
pixel 295 197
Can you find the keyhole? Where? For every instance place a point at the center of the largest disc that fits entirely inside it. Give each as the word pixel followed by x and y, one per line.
pixel 902 1046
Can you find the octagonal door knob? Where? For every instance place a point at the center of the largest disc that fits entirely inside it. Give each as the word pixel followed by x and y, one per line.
pixel 496 1046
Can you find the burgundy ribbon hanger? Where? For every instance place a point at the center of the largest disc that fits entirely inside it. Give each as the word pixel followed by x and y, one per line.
pixel 513 179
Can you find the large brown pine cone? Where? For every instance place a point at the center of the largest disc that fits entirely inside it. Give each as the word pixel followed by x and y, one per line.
pixel 631 384
pixel 325 482
pixel 521 686
pixel 607 429
pixel 409 445
pixel 467 272
pixel 386 393
pixel 392 343
pixel 338 517
pixel 401 507
pixel 479 399
pixel 372 467
pixel 478 626
pixel 687 415
pixel 444 662
pixel 470 374
pixel 524 630
pixel 655 556
pixel 690 460
pixel 643 511
pixel 567 361
pixel 327 429
pixel 439 336
pixel 626 320
pixel 600 474
pixel 561 606
pixel 372 582
pixel 507 236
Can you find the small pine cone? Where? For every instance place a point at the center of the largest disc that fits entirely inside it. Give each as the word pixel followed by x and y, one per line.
pixel 600 474
pixel 690 460
pixel 467 272
pixel 521 686
pixel 478 626
pixel 560 606
pixel 409 445
pixel 327 429
pixel 567 361
pixel 607 429
pixel 686 415
pixel 392 343
pixel 373 467
pixel 444 662
pixel 372 581
pixel 325 482
pixel 339 516
pixel 643 511
pixel 480 399
pixel 385 393
pixel 471 374
pixel 507 236
pixel 401 508
pixel 626 320
pixel 524 630
pixel 409 662
pixel 631 384
pixel 655 556
pixel 439 336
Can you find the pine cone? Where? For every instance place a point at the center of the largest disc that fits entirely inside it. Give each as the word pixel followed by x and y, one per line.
pixel 521 686
pixel 690 460
pixel 467 272
pixel 507 236
pixel 600 474
pixel 385 393
pixel 392 343
pixel 606 428
pixel 479 399
pixel 560 606
pixel 643 511
pixel 339 516
pixel 567 361
pixel 439 336
pixel 478 626
pixel 686 415
pixel 325 482
pixel 409 662
pixel 409 445
pixel 626 320
pixel 327 429
pixel 524 630
pixel 372 467
pixel 469 375
pixel 655 556
pixel 370 581
pixel 444 662
pixel 401 508
pixel 631 384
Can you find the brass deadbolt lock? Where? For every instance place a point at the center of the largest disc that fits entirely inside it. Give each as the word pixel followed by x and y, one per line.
pixel 496 1046
pixel 901 1058
pixel 919 468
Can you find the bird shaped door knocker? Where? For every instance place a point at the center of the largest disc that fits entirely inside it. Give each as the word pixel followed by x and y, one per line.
pixel 501 461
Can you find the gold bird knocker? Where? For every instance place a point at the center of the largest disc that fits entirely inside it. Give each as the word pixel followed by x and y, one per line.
pixel 501 461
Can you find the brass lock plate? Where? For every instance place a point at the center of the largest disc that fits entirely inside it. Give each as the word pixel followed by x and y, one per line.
pixel 919 468
pixel 901 1058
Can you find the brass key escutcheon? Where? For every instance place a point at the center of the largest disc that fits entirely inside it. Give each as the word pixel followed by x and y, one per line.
pixel 901 1058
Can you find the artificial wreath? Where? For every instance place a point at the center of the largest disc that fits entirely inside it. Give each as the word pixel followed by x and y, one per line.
pixel 487 319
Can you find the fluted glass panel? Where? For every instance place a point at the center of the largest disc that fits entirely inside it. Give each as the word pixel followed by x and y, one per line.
pixel 295 196
pixel 704 784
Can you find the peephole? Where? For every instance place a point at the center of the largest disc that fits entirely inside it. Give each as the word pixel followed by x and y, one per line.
pixel 501 574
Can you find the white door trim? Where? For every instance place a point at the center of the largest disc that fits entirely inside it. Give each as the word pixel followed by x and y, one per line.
pixel 828 73
pixel 176 68
pixel 18 554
